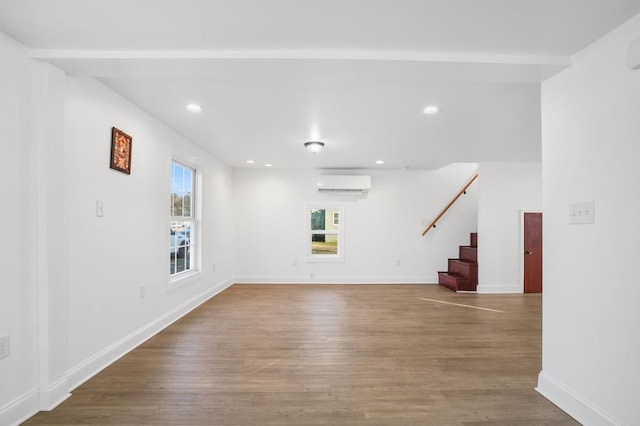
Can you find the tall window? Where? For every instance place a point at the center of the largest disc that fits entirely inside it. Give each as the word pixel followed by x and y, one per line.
pixel 183 221
pixel 325 234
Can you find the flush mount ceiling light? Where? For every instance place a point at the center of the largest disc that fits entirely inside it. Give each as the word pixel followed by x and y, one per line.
pixel 380 162
pixel 314 146
pixel 268 165
pixel 193 108
pixel 250 162
pixel 431 110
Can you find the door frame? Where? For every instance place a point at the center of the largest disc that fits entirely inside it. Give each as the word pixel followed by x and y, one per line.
pixel 521 246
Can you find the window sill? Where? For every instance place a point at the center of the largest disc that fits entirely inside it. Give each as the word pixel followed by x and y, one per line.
pixel 323 259
pixel 184 279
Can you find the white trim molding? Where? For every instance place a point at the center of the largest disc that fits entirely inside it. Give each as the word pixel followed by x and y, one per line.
pixel 47 398
pixel 330 279
pixel 498 289
pixel 92 366
pixel 20 409
pixel 572 403
pixel 52 396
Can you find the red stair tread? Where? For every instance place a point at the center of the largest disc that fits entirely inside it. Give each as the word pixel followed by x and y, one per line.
pixel 462 274
pixel 466 269
pixel 468 253
pixel 452 281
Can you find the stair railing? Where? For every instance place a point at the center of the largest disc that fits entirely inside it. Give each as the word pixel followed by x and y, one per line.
pixel 462 191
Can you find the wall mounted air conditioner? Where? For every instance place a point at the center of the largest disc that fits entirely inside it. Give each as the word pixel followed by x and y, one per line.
pixel 347 184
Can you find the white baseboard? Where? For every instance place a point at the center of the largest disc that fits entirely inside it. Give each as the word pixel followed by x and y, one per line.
pixel 46 399
pixel 20 409
pixel 92 366
pixel 324 279
pixel 54 395
pixel 572 403
pixel 498 289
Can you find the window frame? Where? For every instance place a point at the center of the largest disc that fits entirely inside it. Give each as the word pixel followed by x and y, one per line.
pixel 194 219
pixel 340 232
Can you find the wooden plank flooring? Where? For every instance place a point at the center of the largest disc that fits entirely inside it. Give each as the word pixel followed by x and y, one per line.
pixel 329 355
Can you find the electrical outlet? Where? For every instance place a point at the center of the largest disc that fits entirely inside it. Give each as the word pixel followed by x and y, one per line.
pixel 213 267
pixel 4 346
pixel 143 291
pixel 312 275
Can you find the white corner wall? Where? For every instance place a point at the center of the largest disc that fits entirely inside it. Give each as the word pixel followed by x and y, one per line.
pixel 71 281
pixel 110 257
pixel 18 296
pixel 591 148
pixel 504 191
pixel 383 242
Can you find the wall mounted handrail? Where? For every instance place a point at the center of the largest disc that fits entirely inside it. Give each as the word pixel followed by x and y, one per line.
pixel 462 191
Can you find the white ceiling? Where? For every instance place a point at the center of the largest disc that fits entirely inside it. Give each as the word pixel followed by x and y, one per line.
pixel 354 73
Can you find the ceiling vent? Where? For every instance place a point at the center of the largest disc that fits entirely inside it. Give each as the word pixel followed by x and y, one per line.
pixel 346 184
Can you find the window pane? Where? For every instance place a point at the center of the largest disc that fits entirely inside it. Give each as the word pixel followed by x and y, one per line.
pixel 176 178
pixel 318 219
pixel 333 222
pixel 187 204
pixel 181 190
pixel 177 204
pixel 180 265
pixel 180 246
pixel 324 244
pixel 188 179
pixel 187 260
pixel 172 267
pixel 175 185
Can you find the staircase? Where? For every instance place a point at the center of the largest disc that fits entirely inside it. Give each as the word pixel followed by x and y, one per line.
pixel 462 273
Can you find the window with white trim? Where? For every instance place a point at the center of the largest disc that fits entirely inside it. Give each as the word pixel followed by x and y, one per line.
pixel 182 230
pixel 336 218
pixel 325 233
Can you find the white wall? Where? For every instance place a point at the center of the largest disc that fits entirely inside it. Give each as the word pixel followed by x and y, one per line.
pixel 18 315
pixel 380 228
pixel 110 257
pixel 591 148
pixel 70 287
pixel 504 190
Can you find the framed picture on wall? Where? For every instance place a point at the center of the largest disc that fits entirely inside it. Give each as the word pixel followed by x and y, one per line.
pixel 120 151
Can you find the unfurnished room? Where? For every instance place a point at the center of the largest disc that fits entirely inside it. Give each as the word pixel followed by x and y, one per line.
pixel 284 212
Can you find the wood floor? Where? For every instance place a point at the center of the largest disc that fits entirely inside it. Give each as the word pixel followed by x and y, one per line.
pixel 329 355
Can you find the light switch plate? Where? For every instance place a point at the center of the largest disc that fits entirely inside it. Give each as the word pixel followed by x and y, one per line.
pixel 581 213
pixel 99 208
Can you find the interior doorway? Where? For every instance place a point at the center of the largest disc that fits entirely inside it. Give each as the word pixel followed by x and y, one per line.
pixel 532 252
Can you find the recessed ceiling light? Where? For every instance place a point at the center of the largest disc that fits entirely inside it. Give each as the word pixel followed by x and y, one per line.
pixel 314 146
pixel 430 110
pixel 193 108
pixel 380 162
pixel 250 162
pixel 268 165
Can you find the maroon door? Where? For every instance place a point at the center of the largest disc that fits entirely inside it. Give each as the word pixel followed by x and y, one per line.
pixel 533 252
